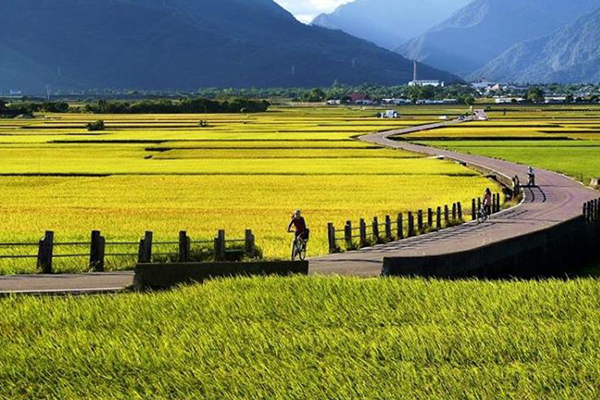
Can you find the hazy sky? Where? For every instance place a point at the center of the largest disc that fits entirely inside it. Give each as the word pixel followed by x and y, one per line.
pixel 306 10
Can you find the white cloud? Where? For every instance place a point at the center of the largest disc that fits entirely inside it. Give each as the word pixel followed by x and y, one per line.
pixel 306 10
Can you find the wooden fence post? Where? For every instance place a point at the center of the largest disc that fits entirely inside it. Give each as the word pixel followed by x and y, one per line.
pixel 439 218
pixel 478 204
pixel 184 247
pixel 420 221
pixel 388 227
pixel 498 207
pixel 220 246
pixel 473 210
pixel 453 211
pixel 45 253
pixel 376 229
pixel 459 211
pixel 97 249
pixel 411 225
pixel 145 253
pixel 446 215
pixel 249 244
pixel 430 218
pixel 400 227
pixel 331 238
pixel 363 232
pixel 348 234
pixel 585 214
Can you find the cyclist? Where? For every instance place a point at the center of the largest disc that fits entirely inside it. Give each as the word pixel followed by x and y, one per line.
pixel 487 202
pixel 299 224
pixel 516 185
pixel 531 175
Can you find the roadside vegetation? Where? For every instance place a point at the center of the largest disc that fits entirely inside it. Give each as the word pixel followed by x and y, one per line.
pixel 168 173
pixel 564 139
pixel 309 338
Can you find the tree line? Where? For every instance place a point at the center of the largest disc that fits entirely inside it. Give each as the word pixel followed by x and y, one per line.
pixel 163 106
pixel 184 106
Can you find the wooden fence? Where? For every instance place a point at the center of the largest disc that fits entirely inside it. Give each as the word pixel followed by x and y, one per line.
pixel 216 248
pixel 591 210
pixel 402 226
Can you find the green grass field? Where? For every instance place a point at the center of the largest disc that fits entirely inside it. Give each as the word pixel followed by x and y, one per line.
pixel 283 338
pixel 557 138
pixel 308 338
pixel 165 173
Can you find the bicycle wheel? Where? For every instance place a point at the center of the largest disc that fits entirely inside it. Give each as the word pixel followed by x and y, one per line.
pixel 481 217
pixel 302 252
pixel 294 250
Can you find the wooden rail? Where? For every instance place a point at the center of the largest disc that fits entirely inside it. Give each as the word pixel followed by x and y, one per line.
pixel 591 211
pixel 217 248
pixel 401 227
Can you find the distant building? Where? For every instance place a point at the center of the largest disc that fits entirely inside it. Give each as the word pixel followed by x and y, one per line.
pixel 434 83
pixel 423 82
pixel 334 102
pixel 396 102
pixel 360 98
pixel 392 114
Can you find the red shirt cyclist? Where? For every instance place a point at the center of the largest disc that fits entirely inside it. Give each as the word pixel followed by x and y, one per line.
pixel 299 224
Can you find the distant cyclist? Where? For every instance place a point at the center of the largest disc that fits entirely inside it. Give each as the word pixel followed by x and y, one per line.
pixel 516 182
pixel 487 201
pixel 531 174
pixel 299 224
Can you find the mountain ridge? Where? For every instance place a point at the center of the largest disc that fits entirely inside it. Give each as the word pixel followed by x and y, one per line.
pixel 570 55
pixel 181 45
pixel 388 22
pixel 484 29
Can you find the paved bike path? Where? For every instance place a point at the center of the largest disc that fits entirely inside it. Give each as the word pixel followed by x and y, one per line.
pixel 557 199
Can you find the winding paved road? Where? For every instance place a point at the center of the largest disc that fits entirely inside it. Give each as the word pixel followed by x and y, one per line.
pixel 557 199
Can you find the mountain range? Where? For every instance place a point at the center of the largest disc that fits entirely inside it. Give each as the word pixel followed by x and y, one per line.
pixel 388 23
pixel 182 45
pixel 570 55
pixel 483 30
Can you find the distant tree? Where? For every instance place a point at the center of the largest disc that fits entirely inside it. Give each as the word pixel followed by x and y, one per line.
pixel 3 105
pixel 468 100
pixel 536 95
pixel 316 95
pixel 569 99
pixel 95 126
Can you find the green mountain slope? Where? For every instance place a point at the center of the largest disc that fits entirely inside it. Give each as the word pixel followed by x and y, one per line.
pixel 181 44
pixel 483 30
pixel 389 22
pixel 570 55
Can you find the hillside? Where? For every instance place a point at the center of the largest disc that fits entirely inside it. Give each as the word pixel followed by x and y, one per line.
pixel 388 22
pixel 483 30
pixel 180 44
pixel 569 55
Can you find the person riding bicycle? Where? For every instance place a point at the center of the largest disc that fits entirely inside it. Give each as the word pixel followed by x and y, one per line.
pixel 531 175
pixel 487 201
pixel 516 182
pixel 299 224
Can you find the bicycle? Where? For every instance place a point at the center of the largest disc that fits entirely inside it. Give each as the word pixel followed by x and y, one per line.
pixel 482 216
pixel 299 248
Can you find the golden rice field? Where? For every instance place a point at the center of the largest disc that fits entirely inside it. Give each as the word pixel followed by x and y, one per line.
pixel 564 139
pixel 166 173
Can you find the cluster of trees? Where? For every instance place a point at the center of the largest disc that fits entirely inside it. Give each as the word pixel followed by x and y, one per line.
pixel 341 92
pixel 184 106
pixel 32 107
